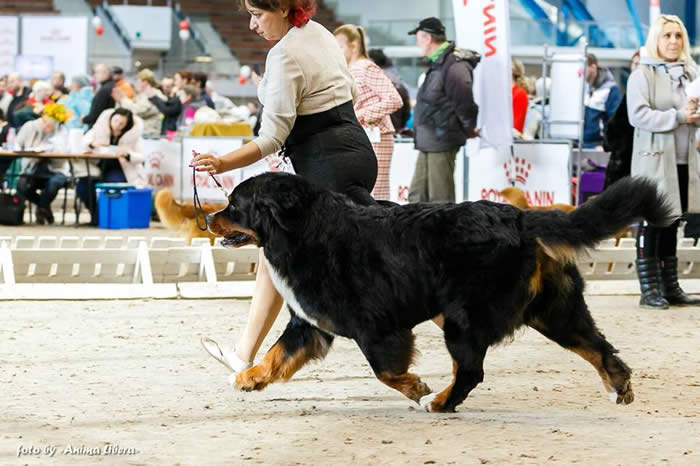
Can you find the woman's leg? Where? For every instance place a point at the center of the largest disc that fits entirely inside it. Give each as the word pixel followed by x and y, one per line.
pixel 384 150
pixel 264 309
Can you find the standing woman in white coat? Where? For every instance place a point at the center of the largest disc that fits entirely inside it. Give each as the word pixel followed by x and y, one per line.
pixel 665 121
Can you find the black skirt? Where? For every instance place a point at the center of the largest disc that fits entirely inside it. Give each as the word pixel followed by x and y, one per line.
pixel 332 150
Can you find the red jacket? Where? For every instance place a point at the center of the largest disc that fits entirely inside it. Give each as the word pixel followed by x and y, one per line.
pixel 520 104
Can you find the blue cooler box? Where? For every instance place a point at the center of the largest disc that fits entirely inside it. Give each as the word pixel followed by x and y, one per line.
pixel 121 205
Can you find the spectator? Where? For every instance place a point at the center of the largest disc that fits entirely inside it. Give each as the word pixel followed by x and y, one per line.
pixel 223 105
pixel 20 93
pixel 377 99
pixel 200 80
pixel 141 105
pixel 33 107
pixel 619 137
pixel 169 105
pixel 78 101
pixel 44 174
pixel 602 98
pixel 5 96
pixel 181 79
pixel 119 82
pixel 519 94
pixel 400 117
pixel 121 129
pixel 665 122
pixel 103 98
pixel 191 102
pixel 58 82
pixel 445 114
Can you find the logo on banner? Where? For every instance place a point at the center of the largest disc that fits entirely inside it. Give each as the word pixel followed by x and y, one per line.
pixel 517 170
pixel 55 35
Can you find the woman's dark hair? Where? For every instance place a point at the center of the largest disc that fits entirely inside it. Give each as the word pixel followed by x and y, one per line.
pixel 129 124
pixel 300 11
pixel 379 58
pixel 200 78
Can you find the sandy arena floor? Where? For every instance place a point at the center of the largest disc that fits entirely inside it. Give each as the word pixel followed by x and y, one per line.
pixel 132 374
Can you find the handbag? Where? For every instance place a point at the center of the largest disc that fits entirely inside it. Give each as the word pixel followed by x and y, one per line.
pixel 11 209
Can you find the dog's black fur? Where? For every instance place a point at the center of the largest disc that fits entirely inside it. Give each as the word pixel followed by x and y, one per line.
pixel 373 273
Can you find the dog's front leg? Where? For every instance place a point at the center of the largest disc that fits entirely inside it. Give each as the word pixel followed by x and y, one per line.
pixel 299 343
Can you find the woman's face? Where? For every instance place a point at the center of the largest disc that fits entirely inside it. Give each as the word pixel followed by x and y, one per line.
pixel 117 123
pixel 347 47
pixel 178 81
pixel 272 25
pixel 141 85
pixel 671 42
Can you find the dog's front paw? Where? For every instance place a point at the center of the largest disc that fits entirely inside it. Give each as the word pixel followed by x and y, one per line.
pixel 624 397
pixel 432 404
pixel 249 380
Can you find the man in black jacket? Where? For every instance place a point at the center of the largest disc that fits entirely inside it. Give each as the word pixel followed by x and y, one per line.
pixel 103 98
pixel 445 114
pixel 170 108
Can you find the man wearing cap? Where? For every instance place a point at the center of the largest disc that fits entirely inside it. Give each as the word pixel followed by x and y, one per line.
pixel 445 112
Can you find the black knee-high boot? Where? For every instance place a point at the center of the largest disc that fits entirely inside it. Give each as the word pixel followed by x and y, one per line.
pixel 649 268
pixel 670 289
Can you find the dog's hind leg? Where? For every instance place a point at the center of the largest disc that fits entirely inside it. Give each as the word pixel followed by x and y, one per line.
pixel 299 343
pixel 566 320
pixel 468 354
pixel 390 357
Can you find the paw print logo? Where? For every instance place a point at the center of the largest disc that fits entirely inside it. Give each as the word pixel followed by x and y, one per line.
pixel 517 170
pixel 156 158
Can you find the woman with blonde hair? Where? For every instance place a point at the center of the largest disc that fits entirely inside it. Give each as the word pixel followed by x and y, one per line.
pixel 141 105
pixel 377 100
pixel 665 120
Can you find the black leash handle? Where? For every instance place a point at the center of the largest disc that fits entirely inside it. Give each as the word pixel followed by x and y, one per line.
pixel 197 203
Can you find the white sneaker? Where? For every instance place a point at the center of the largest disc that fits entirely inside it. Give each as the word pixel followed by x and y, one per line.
pixel 228 358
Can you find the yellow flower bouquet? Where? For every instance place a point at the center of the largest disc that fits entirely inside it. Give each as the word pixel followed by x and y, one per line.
pixel 57 112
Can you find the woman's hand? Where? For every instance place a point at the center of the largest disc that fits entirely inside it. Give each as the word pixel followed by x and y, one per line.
pixel 690 111
pixel 206 163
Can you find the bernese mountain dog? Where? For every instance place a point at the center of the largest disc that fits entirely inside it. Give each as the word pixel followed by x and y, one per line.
pixel 373 273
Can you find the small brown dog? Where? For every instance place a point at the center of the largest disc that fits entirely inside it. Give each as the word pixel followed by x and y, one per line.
pixel 179 216
pixel 516 197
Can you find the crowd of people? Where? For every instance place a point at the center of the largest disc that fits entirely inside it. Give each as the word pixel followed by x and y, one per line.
pixel 109 111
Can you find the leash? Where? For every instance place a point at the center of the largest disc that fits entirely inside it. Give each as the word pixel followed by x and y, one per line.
pixel 197 203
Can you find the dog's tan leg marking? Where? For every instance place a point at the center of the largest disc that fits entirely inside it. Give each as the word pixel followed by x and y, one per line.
pixel 621 395
pixel 408 384
pixel 277 365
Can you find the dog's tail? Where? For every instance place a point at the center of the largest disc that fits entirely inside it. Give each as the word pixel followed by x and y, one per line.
pixel 170 211
pixel 625 202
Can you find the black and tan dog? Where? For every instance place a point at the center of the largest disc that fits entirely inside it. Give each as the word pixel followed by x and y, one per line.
pixel 373 273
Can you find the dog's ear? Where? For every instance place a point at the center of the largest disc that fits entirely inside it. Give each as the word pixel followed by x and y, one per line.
pixel 286 210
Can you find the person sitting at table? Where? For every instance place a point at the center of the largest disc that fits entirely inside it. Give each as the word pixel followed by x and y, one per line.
pixel 122 130
pixel 146 87
pixel 47 175
pixel 34 106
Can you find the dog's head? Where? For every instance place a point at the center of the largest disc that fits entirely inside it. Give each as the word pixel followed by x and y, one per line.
pixel 262 207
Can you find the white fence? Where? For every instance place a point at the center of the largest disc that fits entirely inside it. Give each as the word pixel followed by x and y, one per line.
pixel 113 267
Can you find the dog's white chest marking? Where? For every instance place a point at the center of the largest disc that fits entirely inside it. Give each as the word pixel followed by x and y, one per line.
pixel 288 294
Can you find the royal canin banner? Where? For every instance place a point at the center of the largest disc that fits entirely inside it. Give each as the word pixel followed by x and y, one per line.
pixel 540 170
pixel 484 26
